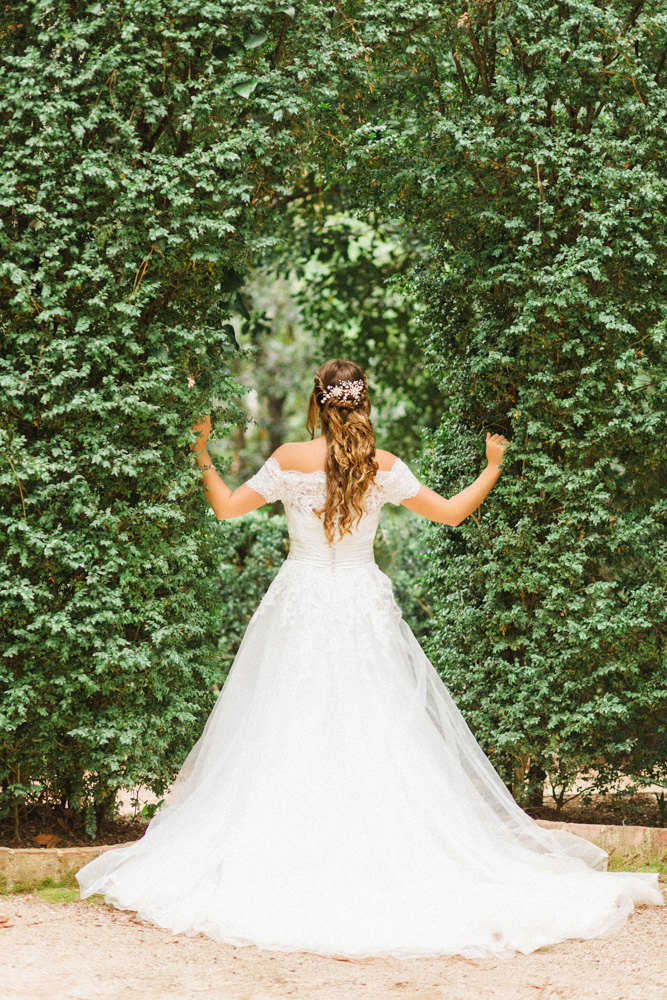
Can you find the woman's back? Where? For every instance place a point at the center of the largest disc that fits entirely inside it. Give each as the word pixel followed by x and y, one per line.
pixel 303 492
pixel 311 456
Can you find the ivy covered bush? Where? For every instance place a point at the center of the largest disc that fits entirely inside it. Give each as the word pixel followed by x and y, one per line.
pixel 144 150
pixel 529 142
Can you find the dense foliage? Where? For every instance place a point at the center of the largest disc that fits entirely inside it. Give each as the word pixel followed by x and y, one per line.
pixel 145 147
pixel 535 160
pixel 331 289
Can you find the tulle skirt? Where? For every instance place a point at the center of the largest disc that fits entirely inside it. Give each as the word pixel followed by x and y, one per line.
pixel 338 803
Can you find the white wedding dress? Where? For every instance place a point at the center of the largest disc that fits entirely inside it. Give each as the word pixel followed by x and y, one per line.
pixel 336 801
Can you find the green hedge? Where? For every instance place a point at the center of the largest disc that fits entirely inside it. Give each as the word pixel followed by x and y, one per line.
pixel 145 148
pixel 535 160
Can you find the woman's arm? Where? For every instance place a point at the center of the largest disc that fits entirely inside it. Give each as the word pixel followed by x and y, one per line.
pixel 225 502
pixel 454 510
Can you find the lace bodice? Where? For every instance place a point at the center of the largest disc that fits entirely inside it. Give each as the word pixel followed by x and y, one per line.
pixel 303 492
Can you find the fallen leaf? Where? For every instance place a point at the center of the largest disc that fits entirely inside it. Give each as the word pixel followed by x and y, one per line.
pixel 46 839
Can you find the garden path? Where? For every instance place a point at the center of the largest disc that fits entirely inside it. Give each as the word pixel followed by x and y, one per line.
pixel 80 951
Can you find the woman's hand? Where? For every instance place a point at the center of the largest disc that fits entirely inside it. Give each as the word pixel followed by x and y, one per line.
pixel 203 429
pixel 224 502
pixel 454 510
pixel 495 448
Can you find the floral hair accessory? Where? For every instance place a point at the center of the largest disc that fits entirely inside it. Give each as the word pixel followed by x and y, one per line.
pixel 344 391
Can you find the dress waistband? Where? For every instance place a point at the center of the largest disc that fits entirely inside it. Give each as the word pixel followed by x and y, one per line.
pixel 334 560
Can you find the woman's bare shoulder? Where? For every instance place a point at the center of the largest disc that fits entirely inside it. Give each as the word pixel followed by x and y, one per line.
pixel 310 456
pixel 384 459
pixel 306 456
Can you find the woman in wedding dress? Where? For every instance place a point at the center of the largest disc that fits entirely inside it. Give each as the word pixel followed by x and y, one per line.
pixel 336 801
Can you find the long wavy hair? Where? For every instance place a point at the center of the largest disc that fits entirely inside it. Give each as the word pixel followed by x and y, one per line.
pixel 350 466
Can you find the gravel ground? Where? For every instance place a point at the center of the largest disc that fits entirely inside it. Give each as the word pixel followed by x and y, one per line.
pixel 78 951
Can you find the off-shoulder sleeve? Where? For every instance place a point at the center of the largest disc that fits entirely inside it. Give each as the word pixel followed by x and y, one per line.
pixel 268 481
pixel 400 483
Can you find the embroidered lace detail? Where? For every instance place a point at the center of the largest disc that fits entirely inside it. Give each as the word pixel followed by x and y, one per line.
pixel 268 481
pixel 322 600
pixel 401 483
pixel 305 491
pixel 318 586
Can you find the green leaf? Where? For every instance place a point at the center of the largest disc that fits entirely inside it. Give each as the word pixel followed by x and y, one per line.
pixel 241 306
pixel 230 281
pixel 229 331
pixel 254 41
pixel 246 88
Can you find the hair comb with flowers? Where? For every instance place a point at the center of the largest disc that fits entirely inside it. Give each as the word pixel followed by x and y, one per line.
pixel 344 392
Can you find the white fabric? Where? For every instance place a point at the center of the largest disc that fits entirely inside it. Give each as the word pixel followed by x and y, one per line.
pixel 337 802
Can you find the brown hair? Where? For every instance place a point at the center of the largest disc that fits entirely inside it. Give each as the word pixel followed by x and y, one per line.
pixel 350 466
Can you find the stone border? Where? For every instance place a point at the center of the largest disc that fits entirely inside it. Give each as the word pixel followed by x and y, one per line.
pixel 24 868
pixel 651 839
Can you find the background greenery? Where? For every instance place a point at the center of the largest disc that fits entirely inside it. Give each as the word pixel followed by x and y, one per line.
pixel 469 200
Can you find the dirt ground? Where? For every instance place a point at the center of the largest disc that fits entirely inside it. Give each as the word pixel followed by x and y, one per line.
pixel 79 951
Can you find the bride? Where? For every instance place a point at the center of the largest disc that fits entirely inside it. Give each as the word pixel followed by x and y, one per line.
pixel 336 801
